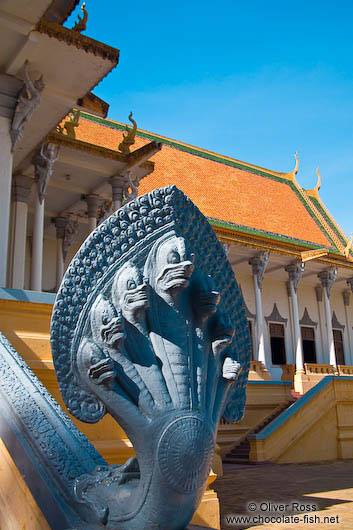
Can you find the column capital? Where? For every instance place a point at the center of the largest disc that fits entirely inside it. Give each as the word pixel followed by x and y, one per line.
pixel 350 283
pixel 71 230
pixel 93 202
pixel 60 225
pixel 21 188
pixel 259 264
pixel 318 291
pixel 295 271
pixel 346 297
pixel 327 279
pixel 226 247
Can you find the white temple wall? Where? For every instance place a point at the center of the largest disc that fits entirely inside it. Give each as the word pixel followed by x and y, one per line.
pixel 307 300
pixel 337 306
pixel 275 292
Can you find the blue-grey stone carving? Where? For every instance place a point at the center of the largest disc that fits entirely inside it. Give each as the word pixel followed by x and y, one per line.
pixel 149 326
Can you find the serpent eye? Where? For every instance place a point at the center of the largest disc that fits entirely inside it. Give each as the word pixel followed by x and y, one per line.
pixel 95 359
pixel 173 257
pixel 131 284
pixel 105 319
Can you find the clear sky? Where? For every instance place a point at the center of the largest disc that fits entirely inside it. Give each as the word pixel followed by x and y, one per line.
pixel 252 80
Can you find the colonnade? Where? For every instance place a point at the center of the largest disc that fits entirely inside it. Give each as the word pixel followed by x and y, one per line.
pixel 323 291
pixel 66 228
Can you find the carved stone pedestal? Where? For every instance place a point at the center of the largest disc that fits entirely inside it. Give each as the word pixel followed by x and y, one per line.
pixel 305 380
pixel 258 372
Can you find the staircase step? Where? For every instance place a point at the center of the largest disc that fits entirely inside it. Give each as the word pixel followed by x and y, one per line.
pixel 240 453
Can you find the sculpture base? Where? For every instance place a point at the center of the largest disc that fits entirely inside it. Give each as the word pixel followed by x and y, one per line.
pixel 196 527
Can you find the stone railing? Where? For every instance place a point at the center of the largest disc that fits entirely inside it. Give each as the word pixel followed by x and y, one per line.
pixel 258 372
pixel 288 371
pixel 344 369
pixel 319 369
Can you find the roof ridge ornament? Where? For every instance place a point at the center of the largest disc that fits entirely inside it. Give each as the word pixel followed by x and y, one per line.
pixel 81 23
pixel 291 174
pixel 128 137
pixel 314 192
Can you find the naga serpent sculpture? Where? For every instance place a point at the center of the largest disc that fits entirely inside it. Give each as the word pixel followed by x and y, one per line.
pixel 149 325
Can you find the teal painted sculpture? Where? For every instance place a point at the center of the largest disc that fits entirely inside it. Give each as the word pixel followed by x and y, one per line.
pixel 149 326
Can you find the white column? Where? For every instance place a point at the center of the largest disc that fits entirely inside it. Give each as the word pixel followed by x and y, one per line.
pixel 60 225
pixel 92 211
pixel 118 184
pixel 323 345
pixel 259 264
pixel 295 270
pixel 21 190
pixel 346 302
pixel 37 245
pixel 5 194
pixel 43 163
pixel 327 279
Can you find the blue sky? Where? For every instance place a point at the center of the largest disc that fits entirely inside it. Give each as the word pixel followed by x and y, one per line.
pixel 252 80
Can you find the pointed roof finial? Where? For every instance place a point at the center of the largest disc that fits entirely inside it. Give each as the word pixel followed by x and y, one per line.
pixel 128 137
pixel 314 192
pixel 291 174
pixel 318 185
pixel 81 23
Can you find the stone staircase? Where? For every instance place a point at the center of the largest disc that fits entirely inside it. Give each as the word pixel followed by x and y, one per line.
pixel 240 452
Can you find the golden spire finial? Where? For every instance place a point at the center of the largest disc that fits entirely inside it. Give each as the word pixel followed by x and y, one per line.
pixel 318 185
pixel 291 174
pixel 81 23
pixel 314 192
pixel 128 137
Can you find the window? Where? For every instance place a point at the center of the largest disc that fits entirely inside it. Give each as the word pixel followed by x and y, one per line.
pixel 278 349
pixel 338 342
pixel 250 324
pixel 308 340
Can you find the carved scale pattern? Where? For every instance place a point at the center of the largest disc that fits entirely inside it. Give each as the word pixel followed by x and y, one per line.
pixel 128 230
pixel 53 437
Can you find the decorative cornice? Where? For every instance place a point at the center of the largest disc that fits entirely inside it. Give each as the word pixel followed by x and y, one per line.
pixel 306 320
pixel 276 317
pixel 59 11
pixel 95 150
pixel 81 42
pixel 92 102
pixel 244 237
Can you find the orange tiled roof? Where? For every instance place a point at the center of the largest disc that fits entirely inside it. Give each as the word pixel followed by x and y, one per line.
pixel 242 196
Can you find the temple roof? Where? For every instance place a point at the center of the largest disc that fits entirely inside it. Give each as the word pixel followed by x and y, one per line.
pixel 235 196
